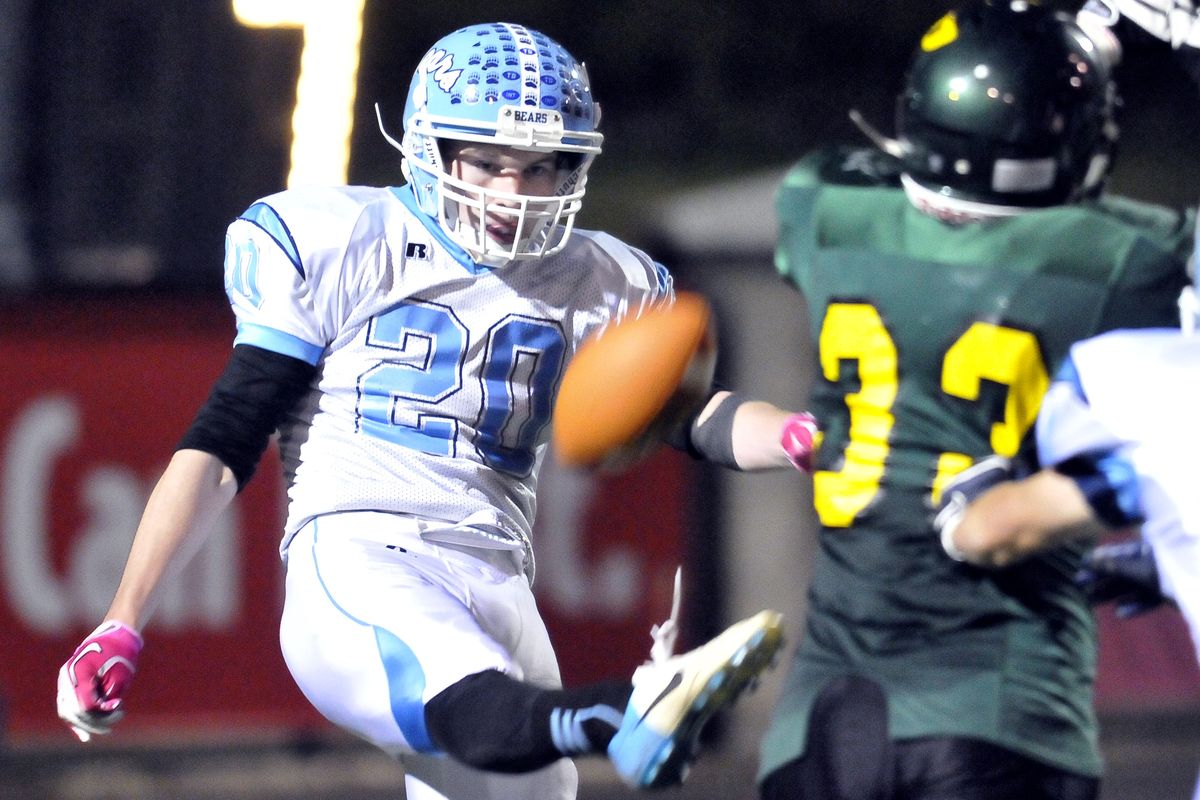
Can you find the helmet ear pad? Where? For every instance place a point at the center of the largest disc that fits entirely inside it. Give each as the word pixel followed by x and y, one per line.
pixel 1009 107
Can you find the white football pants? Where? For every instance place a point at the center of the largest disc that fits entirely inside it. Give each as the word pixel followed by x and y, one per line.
pixel 377 621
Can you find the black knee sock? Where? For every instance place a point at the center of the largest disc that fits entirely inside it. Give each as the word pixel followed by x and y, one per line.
pixel 495 722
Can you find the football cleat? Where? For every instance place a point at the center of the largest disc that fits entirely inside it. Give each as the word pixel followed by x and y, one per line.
pixel 674 696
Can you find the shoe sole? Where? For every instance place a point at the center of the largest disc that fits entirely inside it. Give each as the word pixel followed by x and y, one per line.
pixel 669 765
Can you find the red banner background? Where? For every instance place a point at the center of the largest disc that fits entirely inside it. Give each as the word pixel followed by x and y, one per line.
pixel 98 392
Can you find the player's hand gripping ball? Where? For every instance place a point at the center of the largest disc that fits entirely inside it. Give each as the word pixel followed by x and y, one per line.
pixel 630 386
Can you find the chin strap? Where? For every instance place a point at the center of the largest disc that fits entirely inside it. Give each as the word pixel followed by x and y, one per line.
pixel 953 210
pixel 893 147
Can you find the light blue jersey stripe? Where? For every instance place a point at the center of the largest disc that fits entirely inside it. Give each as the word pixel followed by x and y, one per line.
pixel 663 281
pixel 406 679
pixel 405 195
pixel 1122 478
pixel 1068 373
pixel 278 342
pixel 406 685
pixel 268 219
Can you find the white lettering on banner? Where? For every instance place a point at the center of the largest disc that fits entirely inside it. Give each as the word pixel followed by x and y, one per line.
pixel 111 497
pixel 610 588
pixel 38 436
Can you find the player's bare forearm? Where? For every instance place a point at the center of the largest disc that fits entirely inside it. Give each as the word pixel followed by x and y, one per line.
pixel 1018 518
pixel 193 490
pixel 756 436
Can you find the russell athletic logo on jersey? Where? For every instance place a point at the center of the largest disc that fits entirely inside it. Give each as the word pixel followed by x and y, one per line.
pixel 418 250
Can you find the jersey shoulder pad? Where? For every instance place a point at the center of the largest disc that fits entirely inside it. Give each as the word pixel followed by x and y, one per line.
pixel 1168 226
pixel 316 209
pixel 317 218
pixel 606 254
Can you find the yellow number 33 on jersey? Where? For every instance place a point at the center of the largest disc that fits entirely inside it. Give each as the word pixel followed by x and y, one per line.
pixel 855 331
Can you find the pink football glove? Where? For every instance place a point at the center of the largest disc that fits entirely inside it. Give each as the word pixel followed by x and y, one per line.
pixel 797 440
pixel 93 682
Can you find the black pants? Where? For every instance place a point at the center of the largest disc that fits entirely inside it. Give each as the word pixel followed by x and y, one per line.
pixel 850 757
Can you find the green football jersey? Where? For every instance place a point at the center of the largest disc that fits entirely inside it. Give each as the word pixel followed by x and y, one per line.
pixel 935 344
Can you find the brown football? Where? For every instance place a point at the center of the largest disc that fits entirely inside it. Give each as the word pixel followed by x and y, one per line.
pixel 632 383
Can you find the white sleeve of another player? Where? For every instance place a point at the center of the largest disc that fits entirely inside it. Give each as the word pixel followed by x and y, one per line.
pixel 1068 427
pixel 1142 385
pixel 1172 501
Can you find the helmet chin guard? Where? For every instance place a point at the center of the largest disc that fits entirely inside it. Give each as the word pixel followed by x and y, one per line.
pixel 506 85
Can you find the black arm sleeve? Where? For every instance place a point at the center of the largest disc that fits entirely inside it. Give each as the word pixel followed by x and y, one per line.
pixel 711 440
pixel 245 406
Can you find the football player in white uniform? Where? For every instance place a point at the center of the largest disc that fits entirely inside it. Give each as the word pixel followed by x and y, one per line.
pixel 407 344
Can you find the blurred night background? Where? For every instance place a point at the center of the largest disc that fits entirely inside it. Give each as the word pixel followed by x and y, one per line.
pixel 134 131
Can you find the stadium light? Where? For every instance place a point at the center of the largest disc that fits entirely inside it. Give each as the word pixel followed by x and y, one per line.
pixel 323 117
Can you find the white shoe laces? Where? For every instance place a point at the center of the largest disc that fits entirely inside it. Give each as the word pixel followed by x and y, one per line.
pixel 664 635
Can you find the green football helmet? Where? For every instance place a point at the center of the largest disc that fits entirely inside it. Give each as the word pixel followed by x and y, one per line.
pixel 1007 106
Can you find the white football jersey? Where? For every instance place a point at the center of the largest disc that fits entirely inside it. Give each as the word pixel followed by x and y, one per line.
pixel 1140 390
pixel 436 376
